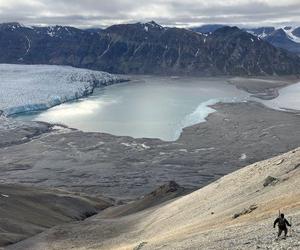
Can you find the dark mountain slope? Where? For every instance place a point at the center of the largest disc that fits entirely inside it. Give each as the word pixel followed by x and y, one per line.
pixel 261 31
pixel 296 32
pixel 146 49
pixel 238 52
pixel 280 39
pixel 286 38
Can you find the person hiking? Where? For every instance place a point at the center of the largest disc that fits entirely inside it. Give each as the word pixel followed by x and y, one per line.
pixel 282 225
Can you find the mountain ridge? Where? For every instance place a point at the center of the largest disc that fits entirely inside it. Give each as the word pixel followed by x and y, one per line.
pixel 286 37
pixel 146 48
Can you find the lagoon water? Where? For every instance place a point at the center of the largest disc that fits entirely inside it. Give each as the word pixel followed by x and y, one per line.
pixel 147 106
pixel 288 99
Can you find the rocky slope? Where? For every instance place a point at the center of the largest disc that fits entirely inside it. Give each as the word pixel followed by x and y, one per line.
pixel 146 48
pixel 235 212
pixel 26 211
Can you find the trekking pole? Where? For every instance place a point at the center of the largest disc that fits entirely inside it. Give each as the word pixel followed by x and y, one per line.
pixel 291 226
pixel 279 213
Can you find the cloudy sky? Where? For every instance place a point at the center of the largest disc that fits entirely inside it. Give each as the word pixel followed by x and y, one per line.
pixel 102 13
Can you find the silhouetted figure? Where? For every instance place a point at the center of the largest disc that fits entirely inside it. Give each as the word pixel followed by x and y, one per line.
pixel 282 223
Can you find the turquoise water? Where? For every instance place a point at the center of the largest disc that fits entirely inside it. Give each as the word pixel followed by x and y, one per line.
pixel 147 106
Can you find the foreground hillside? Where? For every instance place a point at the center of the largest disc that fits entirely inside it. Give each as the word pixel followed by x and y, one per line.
pixel 146 48
pixel 235 212
pixel 26 211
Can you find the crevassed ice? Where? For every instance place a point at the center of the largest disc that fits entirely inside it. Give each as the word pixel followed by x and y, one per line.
pixel 37 87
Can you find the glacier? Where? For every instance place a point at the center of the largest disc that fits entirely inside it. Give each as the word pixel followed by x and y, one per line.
pixel 25 88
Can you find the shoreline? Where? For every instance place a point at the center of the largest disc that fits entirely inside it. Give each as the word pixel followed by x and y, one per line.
pixel 190 160
pixel 125 168
pixel 262 88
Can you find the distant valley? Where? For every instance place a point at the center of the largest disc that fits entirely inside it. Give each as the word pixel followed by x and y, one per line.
pixel 287 37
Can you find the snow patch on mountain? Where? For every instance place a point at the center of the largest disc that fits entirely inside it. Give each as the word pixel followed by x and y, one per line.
pixel 265 32
pixel 260 35
pixel 13 26
pixel 26 88
pixel 51 32
pixel 151 25
pixel 291 36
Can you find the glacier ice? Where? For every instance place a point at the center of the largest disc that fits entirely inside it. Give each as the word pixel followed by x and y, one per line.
pixel 26 88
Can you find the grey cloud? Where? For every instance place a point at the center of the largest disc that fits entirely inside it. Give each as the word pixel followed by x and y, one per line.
pixel 91 13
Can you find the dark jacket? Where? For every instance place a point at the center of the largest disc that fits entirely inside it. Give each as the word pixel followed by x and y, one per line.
pixel 282 222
